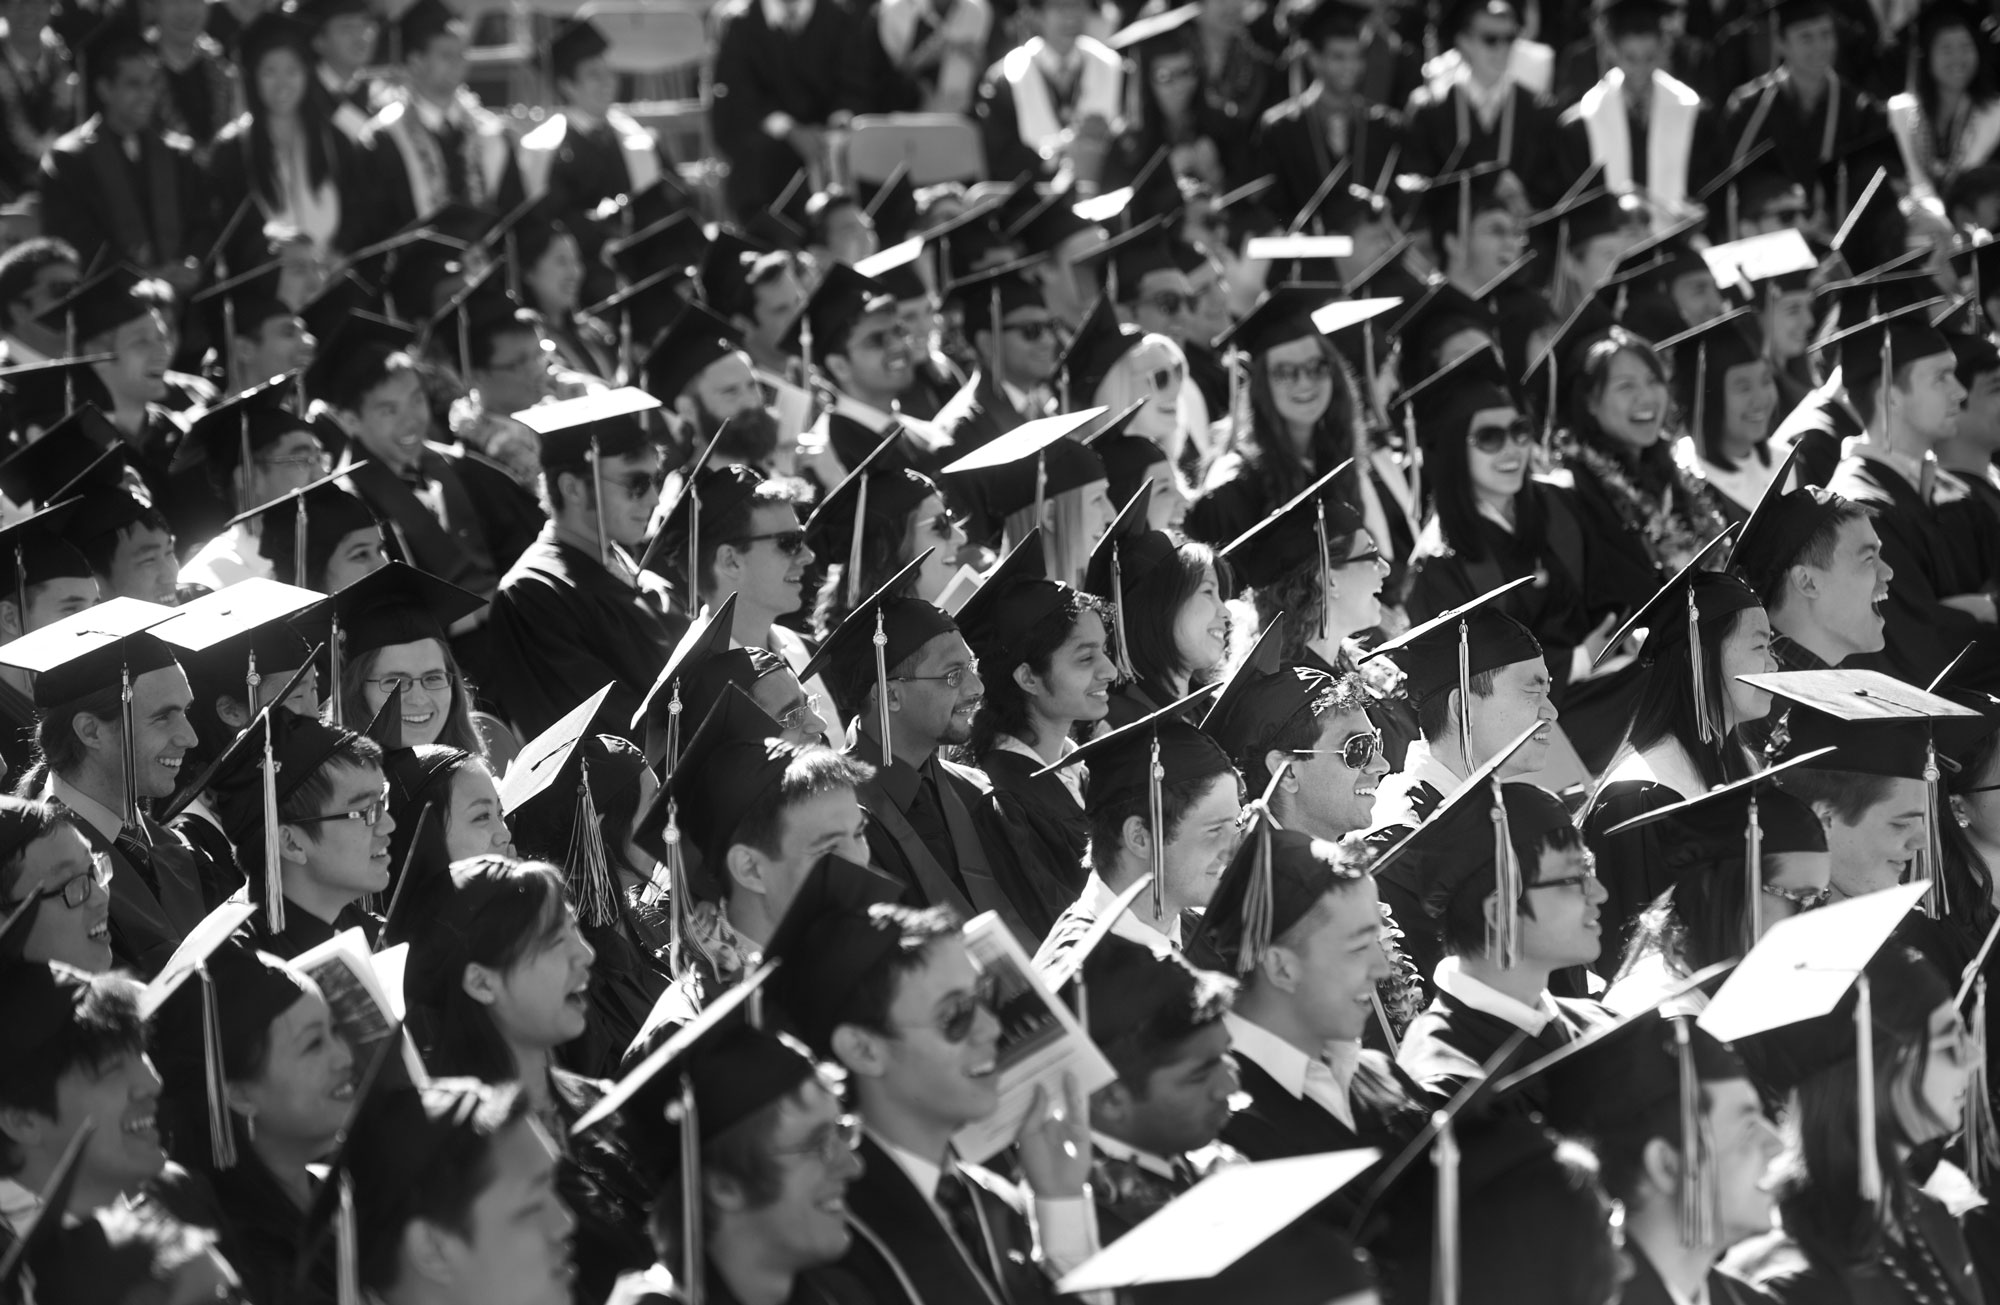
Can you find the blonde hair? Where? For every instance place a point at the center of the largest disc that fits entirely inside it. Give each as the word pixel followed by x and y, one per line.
pixel 1065 551
pixel 1130 379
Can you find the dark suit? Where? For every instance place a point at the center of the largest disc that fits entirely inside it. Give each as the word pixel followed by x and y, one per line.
pixel 1442 133
pixel 1293 144
pixel 904 1251
pixel 1645 1288
pixel 808 75
pixel 148 919
pixel 1769 109
pixel 149 213
pixel 1446 1047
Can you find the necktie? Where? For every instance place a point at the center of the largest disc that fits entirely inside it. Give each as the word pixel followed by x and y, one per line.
pixel 139 855
pixel 954 1197
pixel 926 817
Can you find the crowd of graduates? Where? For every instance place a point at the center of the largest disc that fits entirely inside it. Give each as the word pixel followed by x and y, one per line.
pixel 1362 668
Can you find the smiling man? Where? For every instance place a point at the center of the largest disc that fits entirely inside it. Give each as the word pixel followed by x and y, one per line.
pixel 1016 362
pixel 850 334
pixel 576 612
pixel 76 1052
pixel 1816 563
pixel 1968 454
pixel 46 858
pixel 1315 727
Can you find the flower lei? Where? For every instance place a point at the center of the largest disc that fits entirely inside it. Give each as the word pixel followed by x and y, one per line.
pixel 1670 539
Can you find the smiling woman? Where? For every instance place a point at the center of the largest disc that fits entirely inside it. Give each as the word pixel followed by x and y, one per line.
pixel 47 859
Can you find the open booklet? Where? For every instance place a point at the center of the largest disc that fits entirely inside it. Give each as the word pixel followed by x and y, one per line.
pixel 357 987
pixel 1040 1040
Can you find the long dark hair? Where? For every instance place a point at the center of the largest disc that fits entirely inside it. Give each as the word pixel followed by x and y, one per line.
pixel 1651 468
pixel 314 124
pixel 1334 437
pixel 1448 463
pixel 1005 708
pixel 1942 19
pixel 1149 626
pixel 1665 709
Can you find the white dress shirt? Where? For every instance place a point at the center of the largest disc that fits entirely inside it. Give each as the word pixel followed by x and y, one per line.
pixel 1324 1080
pixel 1451 978
pixel 1064 1227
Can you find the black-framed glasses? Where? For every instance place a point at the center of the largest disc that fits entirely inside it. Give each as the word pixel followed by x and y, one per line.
pixel 1580 882
pixel 1167 378
pixel 878 341
pixel 1492 438
pixel 1359 559
pixel 954 677
pixel 638 484
pixel 830 1143
pixel 788 542
pixel 76 890
pixel 370 815
pixel 1495 40
pixel 796 716
pixel 1031 331
pixel 315 460
pixel 955 1025
pixel 1355 751
pixel 1805 899
pixel 429 682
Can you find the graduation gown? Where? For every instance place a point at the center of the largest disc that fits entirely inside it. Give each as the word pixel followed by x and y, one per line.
pixel 624 985
pixel 808 75
pixel 1442 133
pixel 304 931
pixel 1937 549
pixel 198 100
pixel 605 1187
pixel 449 540
pixel 1645 1288
pixel 148 920
pixel 1446 1046
pixel 963 873
pixel 563 626
pixel 905 1253
pixel 1294 143
pixel 1672 153
pixel 230 168
pixel 978 414
pixel 1276 1125
pixel 18 725
pixel 1054 833
pixel 259 1230
pixel 656 1286
pixel 1019 112
pixel 1793 1271
pixel 420 170
pixel 1820 423
pixel 1806 140
pixel 1635 865
pixel 149 213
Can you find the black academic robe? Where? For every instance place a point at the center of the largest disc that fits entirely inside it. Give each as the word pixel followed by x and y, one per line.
pixel 971 419
pixel 1055 833
pixel 1937 550
pixel 363 218
pixel 1799 1271
pixel 450 540
pixel 148 920
pixel 1804 142
pixel 1275 1125
pixel 965 871
pixel 198 99
pixel 1632 865
pixel 624 985
pixel 260 1229
pixel 656 1286
pixel 304 931
pixel 605 1186
pixel 1644 1287
pixel 904 1252
pixel 587 167
pixel 808 75
pixel 1819 424
pixel 563 627
pixel 1294 145
pixel 1445 1047
pixel 1442 133
pixel 150 213
pixel 18 724
pixel 214 856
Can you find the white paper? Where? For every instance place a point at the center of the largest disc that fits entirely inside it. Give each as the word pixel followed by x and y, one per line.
pixel 1273 248
pixel 958 590
pixel 357 996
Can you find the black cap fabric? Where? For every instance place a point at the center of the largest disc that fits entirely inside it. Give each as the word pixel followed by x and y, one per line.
pixel 332 513
pixel 1121 761
pixel 1281 314
pixel 1294 869
pixel 91 651
pixel 1288 538
pixel 734 762
pixel 1004 475
pixel 354 344
pixel 1260 698
pixel 1895 338
pixel 37 470
pixel 575 40
pixel 697 339
pixel 841 299
pixel 1428 655
pixel 1717 596
pixel 831 936
pixel 610 423
pixel 1876 725
pixel 1100 341
pixel 907 623
pixel 1451 853
pixel 1011 603
pixel 1779 527
pixel 257 417
pixel 399 604
pixel 1603 1088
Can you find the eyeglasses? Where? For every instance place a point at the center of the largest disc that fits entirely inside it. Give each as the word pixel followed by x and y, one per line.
pixel 76 890
pixel 370 815
pixel 1030 331
pixel 1356 751
pixel 1167 378
pixel 956 1023
pixel 831 1143
pixel 638 484
pixel 1806 899
pixel 1286 375
pixel 1172 74
pixel 788 542
pixel 1371 556
pixel 796 717
pixel 1581 882
pixel 1791 215
pixel 429 682
pixel 943 525
pixel 1491 439
pixel 1494 40
pixel 877 341
pixel 953 677
pixel 1171 302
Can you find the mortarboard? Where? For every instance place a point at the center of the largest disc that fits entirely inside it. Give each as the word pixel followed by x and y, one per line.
pixel 1123 562
pixel 892 206
pixel 985 297
pixel 575 40
pixel 1875 348
pixel 1301 531
pixel 1099 342
pixel 394 604
pixel 582 432
pixel 266 764
pixel 1049 225
pixel 1273 880
pixel 1139 248
pixel 300 531
pixel 230 641
pixel 1702 357
pixel 103 304
pixel 841 299
pixel 100 648
pixel 1748 819
pixel 827 940
pixel 335 301
pixel 673 244
pixel 873 501
pixel 550 783
pixel 1485 832
pixel 1874 231
pixel 1450 202
pixel 38 1002
pixel 1320 22
pixel 1281 314
pixel 731 765
pixel 642 310
pixel 225 439
pixel 1012 601
pixel 1260 697
pixel 1779 527
pixel 33 552
pixel 36 470
pixel 1026 467
pixel 422 22
pixel 1673 617
pixel 715 493
pixel 1154 751
pixel 721 274
pixel 897 270
pixel 353 345
pixel 1445 652
pixel 886 629
pixel 1128 461
pixel 1156 31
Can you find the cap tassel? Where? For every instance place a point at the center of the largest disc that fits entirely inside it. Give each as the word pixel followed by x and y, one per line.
pixel 251 681
pixel 1982 1154
pixel 1325 570
pixel 678 931
pixel 590 885
pixel 221 1127
pixel 1937 901
pixel 299 573
pixel 1504 942
pixel 1042 493
pixel 1445 1249
pixel 1698 676
pixel 1258 908
pixel 1126 672
pixel 1234 361
pixel 673 728
pixel 1697 1196
pixel 20 586
pixel 1465 695
pixel 347 1250
pixel 854 545
pixel 274 871
pixel 694 541
pixel 1753 877
pixel 1157 827
pixel 692 1255
pixel 881 642
pixel 131 811
pixel 333 669
pixel 1864 1068
pixel 597 502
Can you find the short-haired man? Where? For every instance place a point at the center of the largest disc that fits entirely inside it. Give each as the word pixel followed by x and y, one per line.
pixel 285 455
pixel 128 542
pixel 1936 536
pixel 118 188
pixel 1017 361
pixel 849 332
pixel 1315 728
pixel 1484 993
pixel 1048 106
pixel 267 338
pixel 1161 1024
pixel 761 295
pixel 1301 140
pixel 1477 112
pixel 333 830
pixel 1475 231
pixel 343 36
pixel 446 145
pixel 455 1198
pixel 76 1054
pixel 893 995
pixel 35 276
pixel 1816 563
pixel 57 581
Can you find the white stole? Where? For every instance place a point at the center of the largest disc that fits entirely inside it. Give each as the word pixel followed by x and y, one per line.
pixel 1669 140
pixel 539 148
pixel 1035 108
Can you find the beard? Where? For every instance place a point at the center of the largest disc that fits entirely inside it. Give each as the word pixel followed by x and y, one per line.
pixel 750 437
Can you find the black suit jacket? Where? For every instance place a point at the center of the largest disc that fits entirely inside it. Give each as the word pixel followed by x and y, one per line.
pixel 1645 1288
pixel 1446 1046
pixel 903 1250
pixel 1291 144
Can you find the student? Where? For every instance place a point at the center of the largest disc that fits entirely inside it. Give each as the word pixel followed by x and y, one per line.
pixel 285 456
pixel 393 627
pixel 575 612
pixel 1727 395
pixel 1333 121
pixel 848 333
pixel 1313 727
pixel 446 144
pixel 35 275
pixel 892 995
pixel 1816 563
pixel 56 581
pixel 47 859
pixel 1017 362
pixel 1040 479
pixel 1049 104
pixel 1169 622
pixel 1478 112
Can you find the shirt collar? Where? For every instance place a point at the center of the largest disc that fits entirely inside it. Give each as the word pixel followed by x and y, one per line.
pixel 923 1174
pixel 1114 1149
pixel 1452 979
pixel 1792 655
pixel 1481 97
pixel 1097 898
pixel 1285 1063
pixel 17 1206
pixel 1022 399
pixel 1421 766
pixel 1051 62
pixel 1072 777
pixel 100 817
pixel 1945 487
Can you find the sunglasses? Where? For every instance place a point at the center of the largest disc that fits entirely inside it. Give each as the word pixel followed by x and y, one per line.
pixel 1356 751
pixel 1359 559
pixel 955 1025
pixel 1491 439
pixel 1167 378
pixel 1031 332
pixel 788 542
pixel 638 484
pixel 1495 40
pixel 1285 375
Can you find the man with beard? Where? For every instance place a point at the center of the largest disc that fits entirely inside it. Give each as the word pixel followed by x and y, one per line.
pixel 576 613
pixel 700 370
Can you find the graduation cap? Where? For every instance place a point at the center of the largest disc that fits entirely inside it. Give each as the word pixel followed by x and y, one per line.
pixel 1673 618
pixel 1123 563
pixel 674 244
pixel 1024 468
pixel 1281 314
pixel 886 629
pixel 1702 357
pixel 299 532
pixel 841 299
pixel 988 295
pixel 1874 231
pixel 829 938
pixel 231 640
pixel 1801 1001
pixel 393 604
pixel 721 274
pixel 733 764
pixel 1450 202
pixel 1144 757
pixel 423 22
pixel 103 647
pixel 1241 1234
pixel 1320 22
pixel 1095 348
pixel 267 764
pixel 642 310
pixel 664 705
pixel 713 492
pixel 1151 36
pixel 1449 855
pixel 1274 879
pixel 1779 528
pixel 1301 531
pixel 892 206
pixel 575 40
pixel 36 470
pixel 1776 260
pixel 1138 249
pixel 585 430
pixel 226 439
pixel 554 767
pixel 1128 459
pixel 33 551
pixel 897 270
pixel 1050 224
pixel 1445 652
pixel 1871 351
pixel 1877 725
pixel 1011 603
pixel 214 1029
pixel 354 344
pixel 1260 698
pixel 103 304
